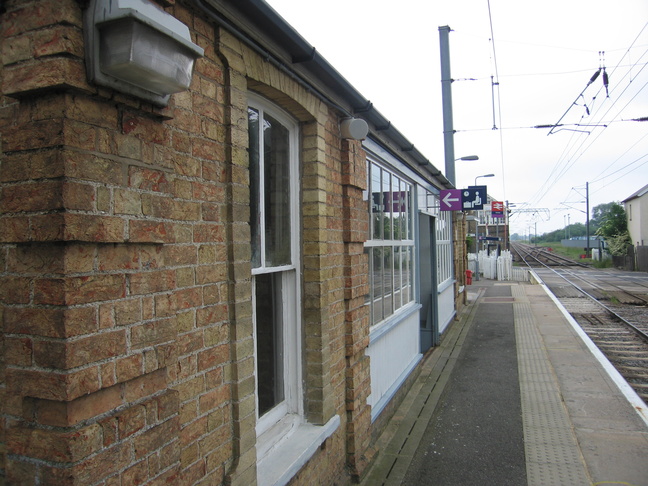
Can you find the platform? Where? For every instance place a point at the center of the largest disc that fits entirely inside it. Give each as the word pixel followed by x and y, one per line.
pixel 515 395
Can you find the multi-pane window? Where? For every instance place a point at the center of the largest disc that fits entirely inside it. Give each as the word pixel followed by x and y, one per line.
pixel 391 242
pixel 431 203
pixel 273 211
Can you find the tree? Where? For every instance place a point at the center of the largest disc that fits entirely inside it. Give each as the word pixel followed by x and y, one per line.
pixel 611 220
pixel 613 226
pixel 599 213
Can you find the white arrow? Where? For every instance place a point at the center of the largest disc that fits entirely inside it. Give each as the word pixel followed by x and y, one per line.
pixel 447 200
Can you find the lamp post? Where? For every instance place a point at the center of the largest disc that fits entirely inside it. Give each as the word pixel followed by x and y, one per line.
pixel 485 175
pixel 468 157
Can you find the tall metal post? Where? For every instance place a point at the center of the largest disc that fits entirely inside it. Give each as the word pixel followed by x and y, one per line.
pixel 446 95
pixel 587 249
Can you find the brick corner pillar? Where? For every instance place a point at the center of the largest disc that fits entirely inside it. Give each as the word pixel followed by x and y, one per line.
pixel 84 393
pixel 360 453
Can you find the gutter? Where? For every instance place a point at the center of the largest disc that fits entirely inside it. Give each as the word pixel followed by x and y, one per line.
pixel 303 57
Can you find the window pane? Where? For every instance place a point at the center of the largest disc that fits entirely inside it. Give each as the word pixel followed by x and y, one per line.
pixel 377 202
pixel 388 281
pixel 277 192
pixel 269 340
pixel 398 277
pixel 407 275
pixel 377 283
pixel 387 200
pixel 255 206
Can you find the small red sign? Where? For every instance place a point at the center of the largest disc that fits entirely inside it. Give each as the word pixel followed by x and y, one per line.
pixel 497 206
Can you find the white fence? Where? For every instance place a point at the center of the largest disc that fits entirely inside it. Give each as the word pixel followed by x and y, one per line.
pixel 494 267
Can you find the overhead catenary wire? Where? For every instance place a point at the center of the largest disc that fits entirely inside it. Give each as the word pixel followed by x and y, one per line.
pixel 569 156
pixel 496 86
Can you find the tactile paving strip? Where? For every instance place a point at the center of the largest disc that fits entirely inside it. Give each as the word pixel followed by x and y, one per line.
pixel 552 452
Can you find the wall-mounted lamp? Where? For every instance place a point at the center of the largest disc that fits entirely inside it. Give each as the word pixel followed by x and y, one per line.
pixel 135 47
pixel 354 128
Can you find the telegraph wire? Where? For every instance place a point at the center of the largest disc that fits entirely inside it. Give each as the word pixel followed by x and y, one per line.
pixel 495 83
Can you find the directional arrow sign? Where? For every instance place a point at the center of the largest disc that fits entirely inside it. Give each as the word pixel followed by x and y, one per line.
pixel 450 199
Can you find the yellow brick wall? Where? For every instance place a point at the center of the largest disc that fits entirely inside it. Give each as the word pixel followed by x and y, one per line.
pixel 125 267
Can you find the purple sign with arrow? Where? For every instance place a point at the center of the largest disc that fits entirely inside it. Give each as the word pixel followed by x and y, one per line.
pixel 450 199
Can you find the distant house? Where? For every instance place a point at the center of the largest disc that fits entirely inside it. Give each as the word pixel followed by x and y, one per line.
pixel 636 207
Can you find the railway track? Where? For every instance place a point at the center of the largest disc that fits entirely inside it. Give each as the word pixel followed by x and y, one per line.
pixel 610 306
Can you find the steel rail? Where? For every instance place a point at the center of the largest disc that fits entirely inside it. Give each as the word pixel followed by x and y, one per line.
pixel 638 331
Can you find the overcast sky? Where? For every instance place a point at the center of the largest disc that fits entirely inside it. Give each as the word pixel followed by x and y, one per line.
pixel 542 55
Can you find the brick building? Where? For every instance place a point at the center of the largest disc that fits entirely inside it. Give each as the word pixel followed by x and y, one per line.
pixel 219 288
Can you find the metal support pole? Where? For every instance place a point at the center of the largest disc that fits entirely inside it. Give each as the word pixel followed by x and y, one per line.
pixel 446 96
pixel 587 249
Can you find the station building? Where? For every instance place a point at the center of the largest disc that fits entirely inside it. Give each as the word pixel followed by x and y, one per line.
pixel 230 281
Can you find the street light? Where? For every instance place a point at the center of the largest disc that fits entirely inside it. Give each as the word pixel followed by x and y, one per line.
pixel 485 175
pixel 468 157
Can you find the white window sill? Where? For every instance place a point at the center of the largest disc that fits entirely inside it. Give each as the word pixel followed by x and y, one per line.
pixel 285 459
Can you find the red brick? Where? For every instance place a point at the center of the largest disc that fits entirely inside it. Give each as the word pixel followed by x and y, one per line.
pixel 152 333
pixel 214 356
pixel 95 288
pixel 79 197
pixel 41 14
pixel 14 229
pixel 209 233
pixel 52 386
pixel 54 445
pixel 93 228
pixel 128 312
pixel 108 461
pixel 193 431
pixel 131 420
pixel 150 180
pixel 89 167
pixel 18 351
pixel 118 257
pixel 79 290
pixel 208 192
pixel 211 315
pixel 49 322
pixel 156 437
pixel 38 196
pixel 145 128
pixel 36 259
pixel 190 342
pixel 167 404
pixel 21 473
pixel 48 73
pixel 180 255
pixel 187 298
pixel 66 414
pixel 145 386
pixel 14 290
pixel 152 282
pixel 128 368
pixel 151 232
pixel 214 399
pixel 47 227
pixel 72 354
pixel 60 39
pixel 25 166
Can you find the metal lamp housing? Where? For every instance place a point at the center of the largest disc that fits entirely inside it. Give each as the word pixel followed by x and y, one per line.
pixel 137 48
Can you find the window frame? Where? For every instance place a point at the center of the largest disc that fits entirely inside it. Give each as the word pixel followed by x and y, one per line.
pixel 444 244
pixel 281 419
pixel 378 239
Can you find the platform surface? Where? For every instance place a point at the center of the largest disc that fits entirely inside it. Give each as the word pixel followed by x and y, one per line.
pixel 513 396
